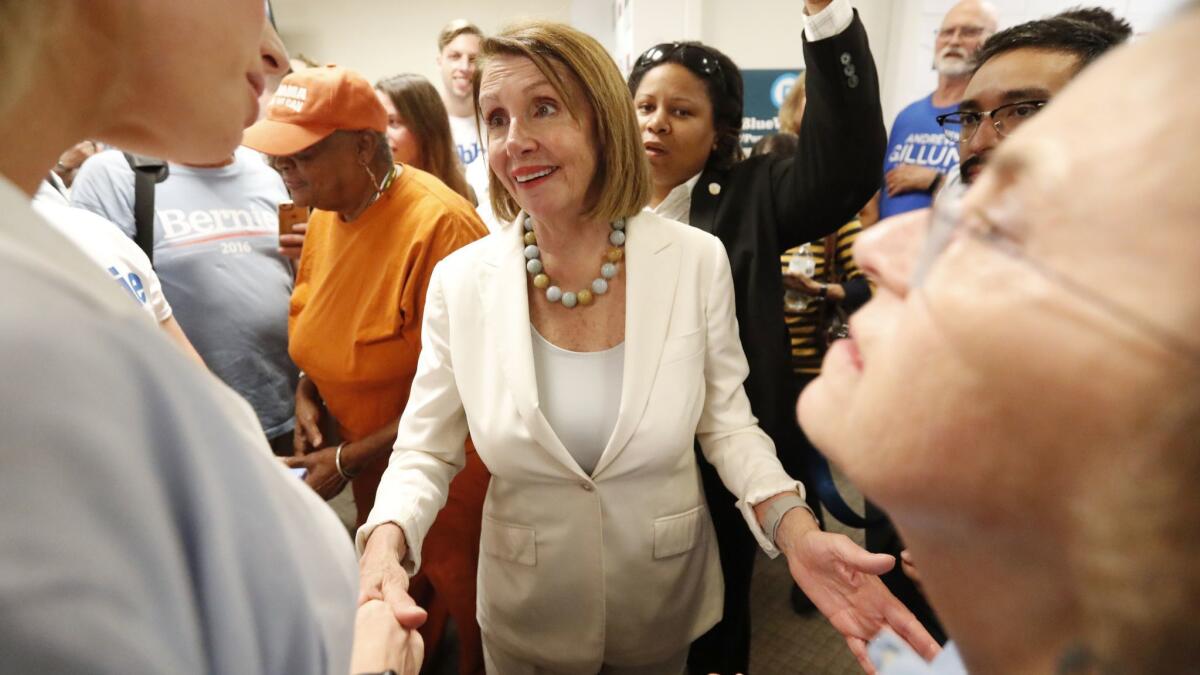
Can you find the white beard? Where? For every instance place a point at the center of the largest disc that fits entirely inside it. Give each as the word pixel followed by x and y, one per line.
pixel 950 66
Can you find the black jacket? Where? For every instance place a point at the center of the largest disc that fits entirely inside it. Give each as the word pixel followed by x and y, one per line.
pixel 765 205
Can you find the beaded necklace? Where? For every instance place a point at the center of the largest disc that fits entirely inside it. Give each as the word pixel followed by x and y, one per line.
pixel 585 296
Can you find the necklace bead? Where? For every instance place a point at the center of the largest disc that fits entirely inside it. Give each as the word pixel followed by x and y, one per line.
pixel 584 296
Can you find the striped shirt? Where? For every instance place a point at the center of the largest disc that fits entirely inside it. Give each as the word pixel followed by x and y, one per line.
pixel 808 348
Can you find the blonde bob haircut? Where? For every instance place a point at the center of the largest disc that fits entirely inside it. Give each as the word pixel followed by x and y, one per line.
pixel 621 186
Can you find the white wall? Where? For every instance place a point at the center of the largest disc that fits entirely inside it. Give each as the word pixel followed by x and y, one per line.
pixel 385 37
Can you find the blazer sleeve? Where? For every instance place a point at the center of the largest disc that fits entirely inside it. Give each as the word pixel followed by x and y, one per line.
pixel 429 449
pixel 842 141
pixel 729 435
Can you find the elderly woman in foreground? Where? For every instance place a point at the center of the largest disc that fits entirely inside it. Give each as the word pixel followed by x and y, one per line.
pixel 150 530
pixel 584 347
pixel 1045 483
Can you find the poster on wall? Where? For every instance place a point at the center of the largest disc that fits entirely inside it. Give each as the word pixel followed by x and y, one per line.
pixel 765 90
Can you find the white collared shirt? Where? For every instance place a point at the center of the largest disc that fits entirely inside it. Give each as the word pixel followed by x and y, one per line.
pixel 827 23
pixel 678 204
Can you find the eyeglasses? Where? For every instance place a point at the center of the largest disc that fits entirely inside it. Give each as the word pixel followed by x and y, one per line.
pixel 270 13
pixel 961 126
pixel 948 221
pixel 964 32
pixel 694 59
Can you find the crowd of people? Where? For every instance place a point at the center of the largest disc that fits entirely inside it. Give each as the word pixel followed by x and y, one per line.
pixel 554 329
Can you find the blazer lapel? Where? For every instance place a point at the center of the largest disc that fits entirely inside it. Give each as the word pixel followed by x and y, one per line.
pixel 651 275
pixel 706 197
pixel 505 305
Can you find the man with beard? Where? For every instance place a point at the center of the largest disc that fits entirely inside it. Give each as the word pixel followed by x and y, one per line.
pixel 1018 70
pixel 918 152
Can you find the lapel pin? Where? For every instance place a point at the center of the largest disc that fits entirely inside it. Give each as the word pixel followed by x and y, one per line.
pixel 714 189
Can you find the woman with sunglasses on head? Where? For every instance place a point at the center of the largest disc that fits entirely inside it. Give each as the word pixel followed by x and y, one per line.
pixel 689 105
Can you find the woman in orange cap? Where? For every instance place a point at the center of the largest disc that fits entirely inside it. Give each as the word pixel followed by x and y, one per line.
pixel 375 233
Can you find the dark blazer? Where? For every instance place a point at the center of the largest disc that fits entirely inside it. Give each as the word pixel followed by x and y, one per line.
pixel 765 205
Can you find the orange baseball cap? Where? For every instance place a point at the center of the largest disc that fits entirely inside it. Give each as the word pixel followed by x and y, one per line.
pixel 311 104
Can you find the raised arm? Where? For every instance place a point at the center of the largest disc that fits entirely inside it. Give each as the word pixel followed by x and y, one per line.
pixel 842 138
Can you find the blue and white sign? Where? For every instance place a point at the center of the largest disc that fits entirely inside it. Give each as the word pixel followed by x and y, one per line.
pixel 765 90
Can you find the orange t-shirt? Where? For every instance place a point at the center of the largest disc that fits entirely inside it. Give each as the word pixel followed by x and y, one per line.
pixel 354 325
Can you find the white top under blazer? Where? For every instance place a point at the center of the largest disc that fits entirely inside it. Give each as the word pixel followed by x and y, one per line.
pixel 618 566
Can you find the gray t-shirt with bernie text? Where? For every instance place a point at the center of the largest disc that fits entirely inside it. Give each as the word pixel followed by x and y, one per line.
pixel 215 250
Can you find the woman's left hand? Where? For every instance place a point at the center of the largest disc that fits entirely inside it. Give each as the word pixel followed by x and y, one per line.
pixel 843 582
pixel 323 476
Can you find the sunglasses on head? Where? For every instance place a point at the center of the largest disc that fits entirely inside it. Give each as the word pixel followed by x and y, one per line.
pixel 695 59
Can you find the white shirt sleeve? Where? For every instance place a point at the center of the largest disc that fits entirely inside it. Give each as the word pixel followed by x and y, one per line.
pixel 137 261
pixel 830 21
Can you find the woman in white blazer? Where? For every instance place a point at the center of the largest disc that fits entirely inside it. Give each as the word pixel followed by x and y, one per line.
pixel 584 347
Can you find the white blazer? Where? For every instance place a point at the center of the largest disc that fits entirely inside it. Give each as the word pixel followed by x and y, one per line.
pixel 621 566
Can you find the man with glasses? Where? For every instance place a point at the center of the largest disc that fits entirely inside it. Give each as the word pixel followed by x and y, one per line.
pixel 1023 398
pixel 1018 70
pixel 918 155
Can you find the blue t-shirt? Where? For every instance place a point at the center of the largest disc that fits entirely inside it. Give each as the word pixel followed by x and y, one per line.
pixel 917 139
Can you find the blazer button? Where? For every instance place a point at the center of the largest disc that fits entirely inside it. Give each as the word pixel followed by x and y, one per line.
pixel 852 81
pixel 846 58
pixel 586 485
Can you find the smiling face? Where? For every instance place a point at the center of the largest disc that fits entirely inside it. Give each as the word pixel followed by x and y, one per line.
pixel 542 155
pixel 963 31
pixel 676 119
pixel 1019 75
pixel 457 62
pixel 328 175
pixel 404 144
pixel 208 84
